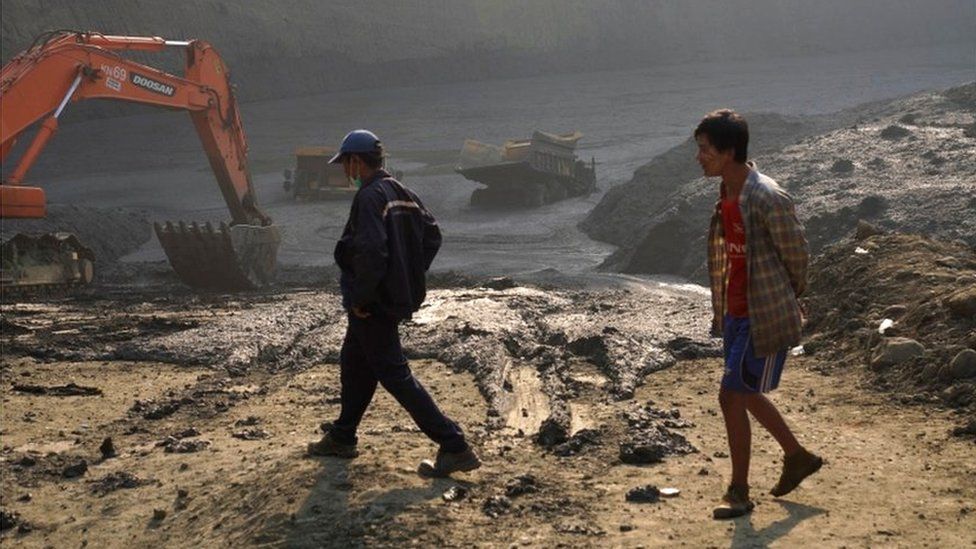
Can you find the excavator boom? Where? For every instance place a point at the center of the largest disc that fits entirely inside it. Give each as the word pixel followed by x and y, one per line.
pixel 38 84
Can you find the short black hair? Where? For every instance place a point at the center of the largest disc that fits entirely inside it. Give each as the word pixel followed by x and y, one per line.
pixel 726 129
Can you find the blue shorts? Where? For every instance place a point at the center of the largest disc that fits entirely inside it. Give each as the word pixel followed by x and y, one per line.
pixel 744 371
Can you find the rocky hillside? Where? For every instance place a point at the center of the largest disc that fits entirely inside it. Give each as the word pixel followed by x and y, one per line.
pixel 905 306
pixel 304 47
pixel 907 164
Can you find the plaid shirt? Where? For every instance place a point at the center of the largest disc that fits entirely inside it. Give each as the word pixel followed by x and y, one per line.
pixel 776 262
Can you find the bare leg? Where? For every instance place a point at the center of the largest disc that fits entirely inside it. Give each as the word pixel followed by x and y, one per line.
pixel 739 434
pixel 766 414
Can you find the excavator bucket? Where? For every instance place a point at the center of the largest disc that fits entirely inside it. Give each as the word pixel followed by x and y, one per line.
pixel 232 258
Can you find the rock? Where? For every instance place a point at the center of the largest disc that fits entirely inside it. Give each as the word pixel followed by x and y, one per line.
pixel 963 365
pixel 27 461
pixel 107 448
pixel 554 430
pixel 577 443
pixel 496 506
pixel 965 430
pixel 644 494
pixel 251 434
pixel 247 422
pixel 172 445
pixel 520 485
pixel 455 493
pixel 688 349
pixel 8 519
pixel 642 453
pixel 76 470
pixel 159 514
pixel 866 230
pixel 895 132
pixel 895 350
pixel 962 303
pixel 842 166
pixel 118 480
pixel 959 395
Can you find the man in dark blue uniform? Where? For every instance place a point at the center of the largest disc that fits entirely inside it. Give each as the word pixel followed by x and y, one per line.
pixel 386 248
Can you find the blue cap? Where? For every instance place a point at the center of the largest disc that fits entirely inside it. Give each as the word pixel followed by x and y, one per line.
pixel 357 141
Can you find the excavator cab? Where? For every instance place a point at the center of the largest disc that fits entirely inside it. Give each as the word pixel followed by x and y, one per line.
pixel 62 67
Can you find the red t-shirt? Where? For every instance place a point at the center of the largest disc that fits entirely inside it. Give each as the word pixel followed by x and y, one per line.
pixel 735 248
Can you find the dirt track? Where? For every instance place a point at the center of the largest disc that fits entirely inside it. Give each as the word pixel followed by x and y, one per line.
pixel 894 476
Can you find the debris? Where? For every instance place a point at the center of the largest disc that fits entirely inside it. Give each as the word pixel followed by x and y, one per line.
pixel 247 422
pixel 76 470
pixel 117 481
pixel 579 528
pixel 644 494
pixel 455 493
pixel 251 434
pixel 496 506
pixel 797 351
pixel 670 492
pixel 8 328
pixel 861 251
pixel 58 390
pixel 520 485
pixel 885 324
pixel 107 448
pixel 650 435
pixel 152 410
pixel 173 445
pixel 8 519
pixel 576 443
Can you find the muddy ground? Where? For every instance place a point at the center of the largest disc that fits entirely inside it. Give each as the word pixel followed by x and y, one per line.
pixel 573 398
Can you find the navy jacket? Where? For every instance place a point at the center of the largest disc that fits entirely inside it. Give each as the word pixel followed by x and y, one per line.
pixel 386 248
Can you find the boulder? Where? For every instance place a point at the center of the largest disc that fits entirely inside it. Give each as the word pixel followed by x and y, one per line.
pixel 962 303
pixel 895 350
pixel 963 365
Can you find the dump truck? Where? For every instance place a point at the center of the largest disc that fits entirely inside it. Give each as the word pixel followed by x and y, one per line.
pixel 62 67
pixel 527 172
pixel 315 179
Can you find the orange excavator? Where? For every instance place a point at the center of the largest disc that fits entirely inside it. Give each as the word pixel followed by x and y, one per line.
pixel 66 66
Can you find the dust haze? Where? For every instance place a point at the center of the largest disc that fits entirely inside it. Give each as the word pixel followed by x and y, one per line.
pixel 568 334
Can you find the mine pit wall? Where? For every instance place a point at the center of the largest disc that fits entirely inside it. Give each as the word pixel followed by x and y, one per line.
pixel 892 181
pixel 302 47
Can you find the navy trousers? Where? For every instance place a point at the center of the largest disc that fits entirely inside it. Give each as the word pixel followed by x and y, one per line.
pixel 371 354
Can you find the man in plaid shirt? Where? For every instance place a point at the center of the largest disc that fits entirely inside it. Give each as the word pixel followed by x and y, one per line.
pixel 757 262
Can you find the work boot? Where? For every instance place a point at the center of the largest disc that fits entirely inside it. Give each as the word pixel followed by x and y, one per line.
pixel 329 446
pixel 796 468
pixel 449 462
pixel 735 503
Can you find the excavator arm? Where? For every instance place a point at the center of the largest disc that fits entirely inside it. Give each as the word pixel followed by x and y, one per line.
pixel 38 84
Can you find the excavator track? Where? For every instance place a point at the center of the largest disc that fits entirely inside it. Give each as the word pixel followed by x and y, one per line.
pixel 229 258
